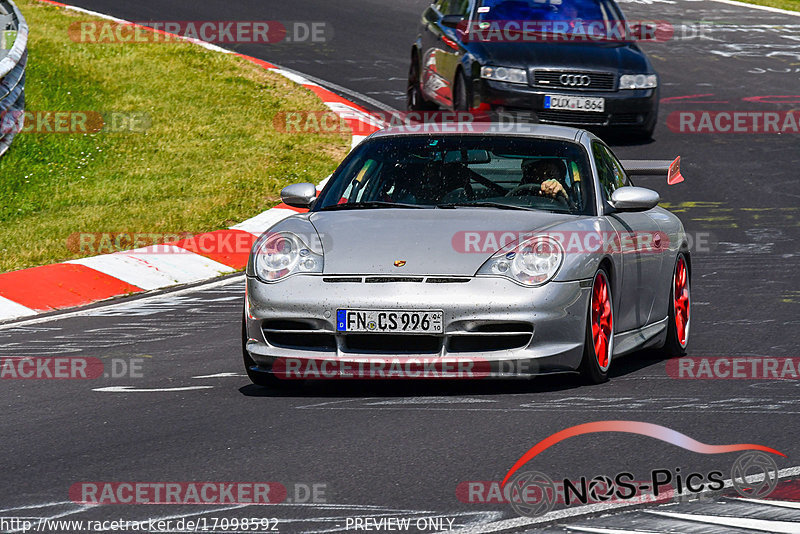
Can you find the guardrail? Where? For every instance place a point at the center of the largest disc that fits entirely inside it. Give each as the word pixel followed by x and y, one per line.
pixel 13 59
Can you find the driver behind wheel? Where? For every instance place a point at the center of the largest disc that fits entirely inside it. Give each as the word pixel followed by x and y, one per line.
pixel 548 174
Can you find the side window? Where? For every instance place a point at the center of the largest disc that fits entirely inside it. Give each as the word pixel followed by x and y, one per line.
pixel 442 6
pixel 610 172
pixel 458 7
pixel 604 172
pixel 620 176
pixel 354 191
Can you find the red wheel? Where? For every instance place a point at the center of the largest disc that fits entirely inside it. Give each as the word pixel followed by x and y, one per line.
pixel 602 320
pixel 599 344
pixel 680 310
pixel 681 302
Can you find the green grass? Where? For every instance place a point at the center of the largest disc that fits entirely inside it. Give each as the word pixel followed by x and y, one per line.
pixel 209 159
pixel 792 5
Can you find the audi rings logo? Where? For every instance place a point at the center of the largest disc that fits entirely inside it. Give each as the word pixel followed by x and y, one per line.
pixel 575 80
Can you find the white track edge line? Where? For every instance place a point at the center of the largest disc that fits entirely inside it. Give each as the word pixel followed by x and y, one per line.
pixel 760 7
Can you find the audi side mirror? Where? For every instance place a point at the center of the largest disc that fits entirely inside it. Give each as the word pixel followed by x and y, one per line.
pixel 630 198
pixel 299 195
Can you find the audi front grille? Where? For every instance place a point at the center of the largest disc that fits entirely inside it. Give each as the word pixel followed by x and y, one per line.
pixel 575 80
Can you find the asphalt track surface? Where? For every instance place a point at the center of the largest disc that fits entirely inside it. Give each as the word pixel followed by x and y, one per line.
pixel 400 449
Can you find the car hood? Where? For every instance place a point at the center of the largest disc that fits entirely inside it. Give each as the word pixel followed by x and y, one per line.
pixel 429 241
pixel 589 56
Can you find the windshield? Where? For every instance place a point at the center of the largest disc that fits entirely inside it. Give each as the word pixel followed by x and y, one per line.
pixel 452 171
pixel 547 10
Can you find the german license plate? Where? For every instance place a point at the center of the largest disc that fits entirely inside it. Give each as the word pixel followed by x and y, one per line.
pixel 389 321
pixel 574 103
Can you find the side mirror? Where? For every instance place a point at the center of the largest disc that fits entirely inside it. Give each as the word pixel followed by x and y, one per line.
pixel 299 195
pixel 451 21
pixel 630 198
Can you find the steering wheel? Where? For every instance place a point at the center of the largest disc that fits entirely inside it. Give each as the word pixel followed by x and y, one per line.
pixel 535 189
pixel 469 191
pixel 524 190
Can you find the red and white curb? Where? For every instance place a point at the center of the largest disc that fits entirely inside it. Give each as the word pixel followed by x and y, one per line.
pixel 84 281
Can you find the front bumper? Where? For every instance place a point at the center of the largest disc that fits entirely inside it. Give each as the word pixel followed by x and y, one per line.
pixel 623 108
pixel 512 330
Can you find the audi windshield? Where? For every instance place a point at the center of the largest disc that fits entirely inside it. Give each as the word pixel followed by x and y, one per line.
pixel 596 19
pixel 571 11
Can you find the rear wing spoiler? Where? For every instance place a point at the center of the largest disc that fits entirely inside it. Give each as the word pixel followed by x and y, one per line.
pixel 649 167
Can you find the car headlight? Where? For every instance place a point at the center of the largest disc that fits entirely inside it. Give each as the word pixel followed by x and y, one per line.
pixel 505 74
pixel 283 254
pixel 531 263
pixel 638 81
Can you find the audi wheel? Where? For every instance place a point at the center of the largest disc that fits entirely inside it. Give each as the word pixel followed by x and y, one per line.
pixel 460 93
pixel 415 101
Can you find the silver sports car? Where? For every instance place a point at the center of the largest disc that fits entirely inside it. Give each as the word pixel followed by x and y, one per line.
pixel 467 253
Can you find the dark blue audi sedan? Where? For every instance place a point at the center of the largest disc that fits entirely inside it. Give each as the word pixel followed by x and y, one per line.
pixel 571 62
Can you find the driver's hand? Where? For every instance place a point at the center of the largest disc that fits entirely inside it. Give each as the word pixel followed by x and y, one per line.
pixel 552 188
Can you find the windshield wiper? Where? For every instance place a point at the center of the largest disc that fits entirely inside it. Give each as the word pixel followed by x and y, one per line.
pixel 497 205
pixel 370 205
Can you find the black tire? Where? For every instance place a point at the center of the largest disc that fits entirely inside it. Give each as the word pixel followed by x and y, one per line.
pixel 460 93
pixel 673 347
pixel 632 134
pixel 590 369
pixel 415 100
pixel 259 378
pixel 646 133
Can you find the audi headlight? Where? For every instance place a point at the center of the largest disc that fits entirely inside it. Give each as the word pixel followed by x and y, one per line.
pixel 638 81
pixel 505 74
pixel 531 263
pixel 283 254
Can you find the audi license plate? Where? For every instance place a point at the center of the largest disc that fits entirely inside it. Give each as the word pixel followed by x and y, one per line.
pixel 574 103
pixel 389 321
